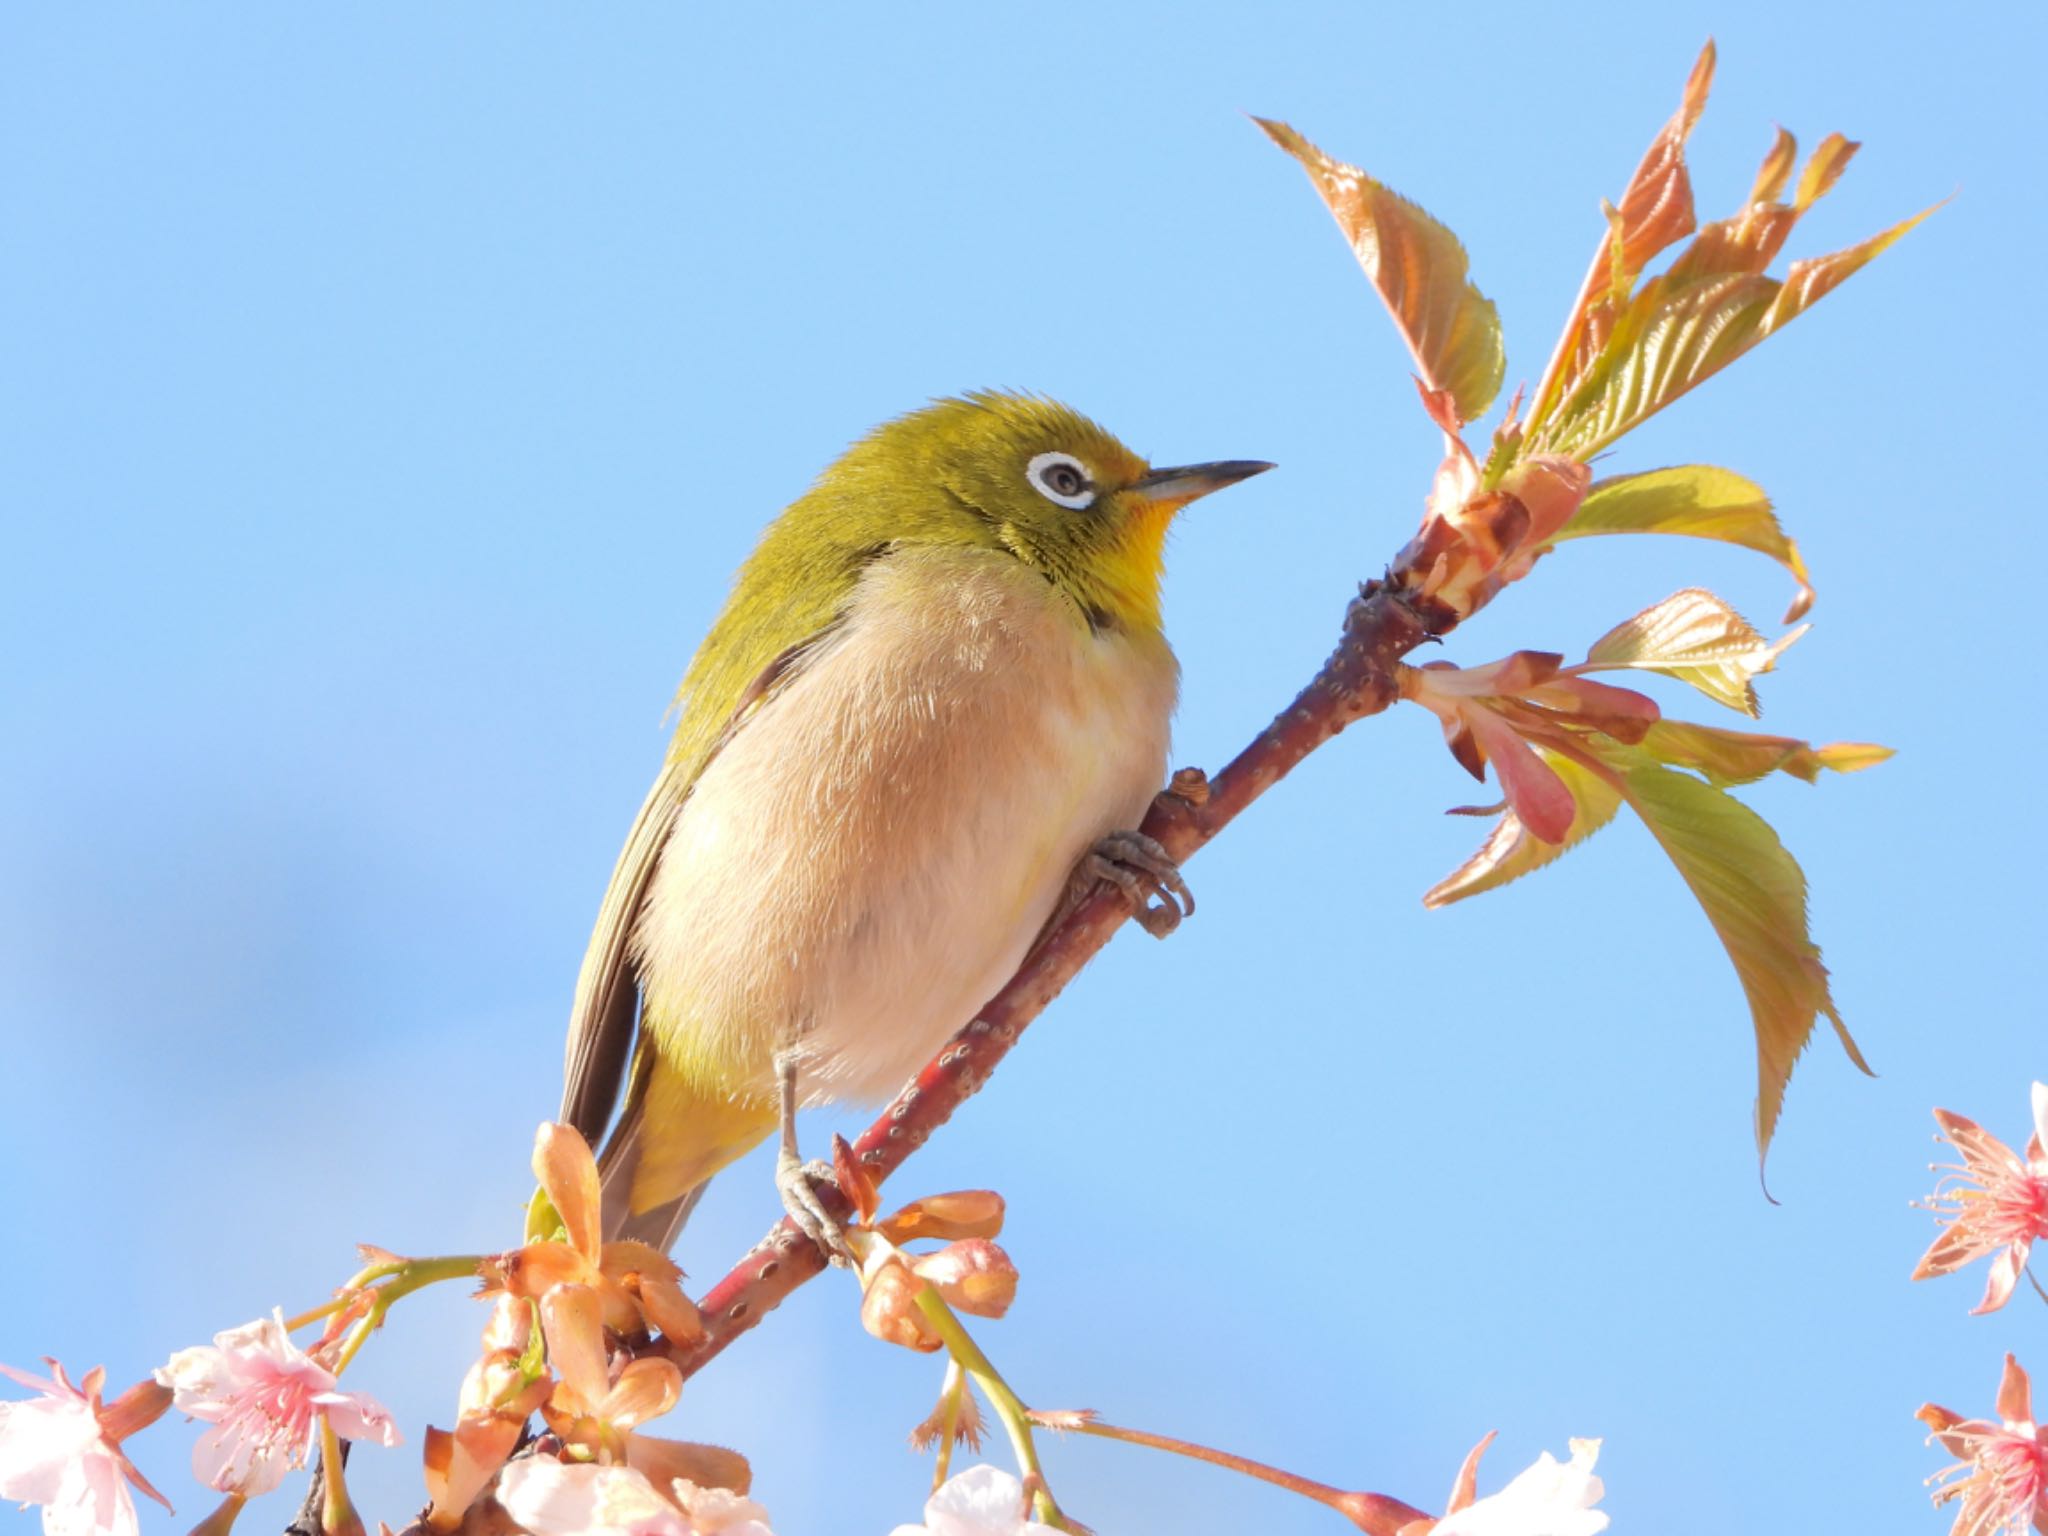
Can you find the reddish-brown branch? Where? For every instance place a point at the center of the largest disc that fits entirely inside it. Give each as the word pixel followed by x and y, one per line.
pixel 1357 680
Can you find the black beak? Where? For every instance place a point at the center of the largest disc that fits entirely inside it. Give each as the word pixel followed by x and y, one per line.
pixel 1183 483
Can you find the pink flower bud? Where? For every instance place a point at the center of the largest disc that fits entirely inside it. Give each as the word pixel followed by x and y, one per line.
pixel 962 1213
pixel 973 1275
pixel 889 1310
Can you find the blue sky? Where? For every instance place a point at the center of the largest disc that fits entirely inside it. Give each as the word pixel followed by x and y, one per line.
pixel 386 394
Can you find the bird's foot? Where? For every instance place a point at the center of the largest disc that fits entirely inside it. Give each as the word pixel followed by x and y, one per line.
pixel 1143 870
pixel 799 1184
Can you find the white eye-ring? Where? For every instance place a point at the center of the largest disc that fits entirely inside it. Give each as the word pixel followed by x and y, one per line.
pixel 1061 478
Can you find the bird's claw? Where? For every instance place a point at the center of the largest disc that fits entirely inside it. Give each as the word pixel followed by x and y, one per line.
pixel 799 1183
pixel 1151 882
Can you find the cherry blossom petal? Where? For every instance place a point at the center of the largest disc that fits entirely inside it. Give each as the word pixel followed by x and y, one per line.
pixel 2004 1276
pixel 973 1274
pixel 720 1511
pixel 667 1462
pixel 566 1170
pixel 548 1498
pixel 2015 1395
pixel 982 1501
pixel 1552 1498
pixel 358 1416
pixel 2001 1473
pixel 1996 1203
pixel 42 1439
pixel 264 1397
pixel 59 1451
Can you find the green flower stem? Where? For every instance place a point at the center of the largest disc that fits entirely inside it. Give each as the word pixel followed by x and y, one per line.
pixel 338 1515
pixel 392 1283
pixel 1007 1405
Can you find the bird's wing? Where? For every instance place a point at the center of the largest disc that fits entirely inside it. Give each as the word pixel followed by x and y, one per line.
pixel 607 996
pixel 601 1020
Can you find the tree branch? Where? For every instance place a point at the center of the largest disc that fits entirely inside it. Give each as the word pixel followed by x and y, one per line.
pixel 1381 626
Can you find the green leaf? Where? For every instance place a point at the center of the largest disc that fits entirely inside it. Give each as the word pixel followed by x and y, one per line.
pixel 1754 894
pixel 1419 269
pixel 1698 639
pixel 1680 329
pixel 1699 501
pixel 1512 851
pixel 1743 757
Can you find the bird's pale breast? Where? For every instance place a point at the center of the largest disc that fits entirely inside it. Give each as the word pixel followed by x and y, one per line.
pixel 868 858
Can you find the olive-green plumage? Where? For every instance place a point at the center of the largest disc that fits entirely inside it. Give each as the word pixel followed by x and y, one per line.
pixel 938 680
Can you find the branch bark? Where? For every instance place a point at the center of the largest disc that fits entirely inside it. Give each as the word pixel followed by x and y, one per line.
pixel 1381 626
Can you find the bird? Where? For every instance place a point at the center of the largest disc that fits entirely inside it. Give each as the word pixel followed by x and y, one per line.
pixel 932 711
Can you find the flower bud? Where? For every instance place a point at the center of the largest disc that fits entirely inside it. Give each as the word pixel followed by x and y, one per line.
pixel 889 1310
pixel 974 1275
pixel 962 1213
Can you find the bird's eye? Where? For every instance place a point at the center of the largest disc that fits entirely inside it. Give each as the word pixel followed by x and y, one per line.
pixel 1061 478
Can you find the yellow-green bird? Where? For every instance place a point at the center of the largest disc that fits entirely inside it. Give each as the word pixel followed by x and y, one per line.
pixel 938 695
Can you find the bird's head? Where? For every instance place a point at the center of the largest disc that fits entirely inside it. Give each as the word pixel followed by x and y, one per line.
pixel 1040 481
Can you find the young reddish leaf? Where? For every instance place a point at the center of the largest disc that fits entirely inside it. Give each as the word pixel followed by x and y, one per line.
pixel 1510 851
pixel 1807 282
pixel 1824 170
pixel 1628 351
pixel 854 1181
pixel 1749 241
pixel 1532 787
pixel 1656 209
pixel 1776 170
pixel 1697 500
pixel 1698 639
pixel 1755 896
pixel 1419 269
pixel 1742 757
pixel 1682 328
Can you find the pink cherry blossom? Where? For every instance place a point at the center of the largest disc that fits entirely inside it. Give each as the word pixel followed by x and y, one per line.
pixel 265 1398
pixel 1996 1202
pixel 2001 1474
pixel 62 1450
pixel 552 1498
pixel 982 1501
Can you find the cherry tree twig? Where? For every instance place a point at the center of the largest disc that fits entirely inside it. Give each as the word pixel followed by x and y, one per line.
pixel 1383 624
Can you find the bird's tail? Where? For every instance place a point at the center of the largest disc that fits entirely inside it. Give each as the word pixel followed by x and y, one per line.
pixel 668 1142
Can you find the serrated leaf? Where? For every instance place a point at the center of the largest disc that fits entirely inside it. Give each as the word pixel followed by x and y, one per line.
pixel 1743 757
pixel 1810 280
pixel 1824 170
pixel 1627 351
pixel 1680 329
pixel 1695 637
pixel 1656 209
pixel 1419 270
pixel 1776 170
pixel 1699 501
pixel 1750 241
pixel 1754 894
pixel 1511 850
pixel 1670 338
